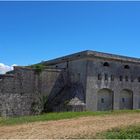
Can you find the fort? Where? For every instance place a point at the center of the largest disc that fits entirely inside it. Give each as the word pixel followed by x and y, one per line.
pixel 86 80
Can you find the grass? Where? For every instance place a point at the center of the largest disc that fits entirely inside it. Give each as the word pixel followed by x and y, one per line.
pixel 59 116
pixel 129 132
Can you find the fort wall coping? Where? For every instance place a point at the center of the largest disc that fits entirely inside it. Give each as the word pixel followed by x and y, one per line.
pixel 91 54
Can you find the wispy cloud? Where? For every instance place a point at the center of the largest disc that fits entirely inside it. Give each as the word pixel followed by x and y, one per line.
pixel 5 68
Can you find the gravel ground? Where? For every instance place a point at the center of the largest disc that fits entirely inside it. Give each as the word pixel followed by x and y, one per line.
pixel 83 127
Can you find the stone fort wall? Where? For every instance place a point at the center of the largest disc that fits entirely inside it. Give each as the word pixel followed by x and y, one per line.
pixel 112 84
pixel 110 81
pixel 87 80
pixel 21 92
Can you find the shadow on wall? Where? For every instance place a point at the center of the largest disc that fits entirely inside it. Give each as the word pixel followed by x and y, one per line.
pixel 70 98
pixel 49 83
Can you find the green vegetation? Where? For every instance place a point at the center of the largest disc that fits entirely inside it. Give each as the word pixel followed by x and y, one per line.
pixel 59 116
pixel 38 67
pixel 130 132
pixel 43 103
pixel 47 117
pixel 40 106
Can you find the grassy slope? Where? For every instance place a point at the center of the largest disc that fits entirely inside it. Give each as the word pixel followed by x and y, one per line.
pixel 58 116
pixel 130 132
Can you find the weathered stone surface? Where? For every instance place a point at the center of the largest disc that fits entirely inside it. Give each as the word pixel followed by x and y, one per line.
pixel 83 81
pixel 21 93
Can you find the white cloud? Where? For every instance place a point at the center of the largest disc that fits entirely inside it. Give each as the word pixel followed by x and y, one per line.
pixel 5 68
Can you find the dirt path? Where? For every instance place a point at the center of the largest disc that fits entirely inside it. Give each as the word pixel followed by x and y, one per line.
pixel 69 128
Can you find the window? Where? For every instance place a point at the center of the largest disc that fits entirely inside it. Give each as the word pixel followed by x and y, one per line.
pixel 138 79
pixel 121 78
pixel 99 77
pixel 126 67
pixel 102 100
pixel 106 64
pixel 132 79
pixel 0 78
pixel 112 77
pixel 123 100
pixel 78 76
pixel 106 77
pixel 126 78
pixel 67 64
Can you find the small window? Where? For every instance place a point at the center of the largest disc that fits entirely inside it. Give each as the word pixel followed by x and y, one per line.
pixel 106 64
pixel 138 79
pixel 106 77
pixel 121 78
pixel 126 78
pixel 102 100
pixel 67 64
pixel 99 77
pixel 78 76
pixel 21 93
pixel 112 77
pixel 123 100
pixel 126 67
pixel 0 77
pixel 132 79
pixel 56 66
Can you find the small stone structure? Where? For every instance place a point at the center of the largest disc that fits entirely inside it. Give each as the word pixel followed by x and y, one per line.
pixel 87 80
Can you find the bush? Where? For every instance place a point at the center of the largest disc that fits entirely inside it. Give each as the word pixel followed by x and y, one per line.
pixel 38 68
pixel 43 103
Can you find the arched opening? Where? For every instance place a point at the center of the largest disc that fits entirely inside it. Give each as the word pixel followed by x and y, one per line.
pixel 126 99
pixel 105 100
pixel 106 64
pixel 126 67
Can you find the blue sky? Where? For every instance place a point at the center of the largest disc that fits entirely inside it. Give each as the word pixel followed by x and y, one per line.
pixel 34 31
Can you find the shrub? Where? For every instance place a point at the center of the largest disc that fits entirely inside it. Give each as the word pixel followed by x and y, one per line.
pixel 39 68
pixel 43 103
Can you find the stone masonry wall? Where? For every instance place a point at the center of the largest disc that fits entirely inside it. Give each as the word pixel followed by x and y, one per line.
pixel 21 92
pixel 76 71
pixel 115 79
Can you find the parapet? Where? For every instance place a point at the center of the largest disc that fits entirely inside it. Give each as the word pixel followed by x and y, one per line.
pixel 91 54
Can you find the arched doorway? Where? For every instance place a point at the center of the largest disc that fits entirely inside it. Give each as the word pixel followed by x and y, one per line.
pixel 126 99
pixel 105 100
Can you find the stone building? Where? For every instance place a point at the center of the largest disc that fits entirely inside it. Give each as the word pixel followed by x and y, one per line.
pixel 87 80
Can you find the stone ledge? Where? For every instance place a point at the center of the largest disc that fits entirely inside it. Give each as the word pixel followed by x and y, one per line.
pixel 92 54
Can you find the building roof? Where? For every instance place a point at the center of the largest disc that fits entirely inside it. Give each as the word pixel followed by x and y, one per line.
pixel 91 54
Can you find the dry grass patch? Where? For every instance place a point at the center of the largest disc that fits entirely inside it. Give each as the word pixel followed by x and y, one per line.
pixel 83 127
